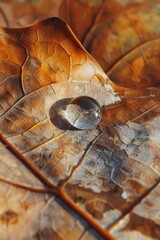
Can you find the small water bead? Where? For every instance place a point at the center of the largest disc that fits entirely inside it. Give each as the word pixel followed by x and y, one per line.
pixel 83 112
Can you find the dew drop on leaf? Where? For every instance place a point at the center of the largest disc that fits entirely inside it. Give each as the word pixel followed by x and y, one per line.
pixel 83 112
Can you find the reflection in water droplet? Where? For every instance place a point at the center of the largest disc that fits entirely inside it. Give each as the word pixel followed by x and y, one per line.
pixel 83 112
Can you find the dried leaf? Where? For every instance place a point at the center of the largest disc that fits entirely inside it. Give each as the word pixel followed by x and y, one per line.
pixel 108 174
pixel 143 222
pixel 126 42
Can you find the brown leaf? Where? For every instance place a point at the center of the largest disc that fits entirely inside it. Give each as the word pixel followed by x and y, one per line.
pixel 29 215
pixel 142 221
pixel 109 174
pixel 123 36
pixel 55 69
pixel 126 43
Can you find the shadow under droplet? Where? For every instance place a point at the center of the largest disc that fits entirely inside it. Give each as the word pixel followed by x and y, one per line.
pixel 57 114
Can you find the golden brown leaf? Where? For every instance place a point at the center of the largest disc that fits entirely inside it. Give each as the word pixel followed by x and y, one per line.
pixel 55 69
pixel 126 42
pixel 109 174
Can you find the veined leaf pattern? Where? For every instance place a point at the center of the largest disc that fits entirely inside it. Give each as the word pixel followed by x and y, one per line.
pixel 97 183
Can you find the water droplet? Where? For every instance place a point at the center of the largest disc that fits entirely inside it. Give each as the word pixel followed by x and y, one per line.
pixel 83 112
